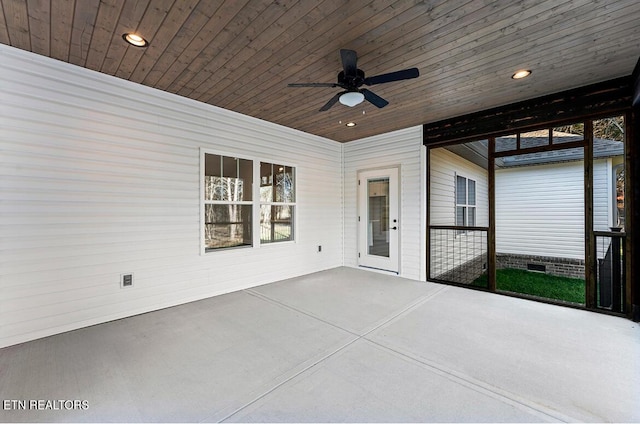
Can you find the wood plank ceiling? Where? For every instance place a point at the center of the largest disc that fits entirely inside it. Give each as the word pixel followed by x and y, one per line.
pixel 240 54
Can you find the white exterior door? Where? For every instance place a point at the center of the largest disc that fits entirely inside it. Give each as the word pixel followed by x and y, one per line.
pixel 378 219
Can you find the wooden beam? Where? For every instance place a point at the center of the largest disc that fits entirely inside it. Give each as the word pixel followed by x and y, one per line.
pixel 632 210
pixel 491 237
pixel 560 108
pixel 590 239
pixel 635 77
pixel 428 207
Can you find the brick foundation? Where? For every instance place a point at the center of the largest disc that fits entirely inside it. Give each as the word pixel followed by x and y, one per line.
pixel 561 267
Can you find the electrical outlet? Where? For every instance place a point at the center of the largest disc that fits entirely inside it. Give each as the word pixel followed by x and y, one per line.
pixel 319 248
pixel 126 280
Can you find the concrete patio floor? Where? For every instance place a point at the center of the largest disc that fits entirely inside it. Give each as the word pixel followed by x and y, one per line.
pixel 343 345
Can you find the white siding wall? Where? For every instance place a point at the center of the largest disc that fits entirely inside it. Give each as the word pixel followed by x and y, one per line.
pixel 444 166
pixel 402 148
pixel 602 195
pixel 101 176
pixel 540 209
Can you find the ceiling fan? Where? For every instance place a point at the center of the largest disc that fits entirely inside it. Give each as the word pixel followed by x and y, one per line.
pixel 351 79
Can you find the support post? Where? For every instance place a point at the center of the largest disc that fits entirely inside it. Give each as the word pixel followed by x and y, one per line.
pixel 589 245
pixel 632 210
pixel 491 242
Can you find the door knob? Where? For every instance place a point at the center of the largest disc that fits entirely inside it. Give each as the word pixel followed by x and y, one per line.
pixel 394 228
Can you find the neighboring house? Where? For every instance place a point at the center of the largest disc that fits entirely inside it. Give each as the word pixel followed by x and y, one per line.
pixel 539 202
pixel 540 205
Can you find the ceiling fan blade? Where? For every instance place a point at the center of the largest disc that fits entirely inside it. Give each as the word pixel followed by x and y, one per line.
pixel 393 76
pixel 374 98
pixel 313 84
pixel 331 102
pixel 349 62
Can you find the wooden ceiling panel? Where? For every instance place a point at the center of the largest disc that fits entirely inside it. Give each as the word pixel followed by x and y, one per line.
pixel 61 25
pixel 17 23
pixel 169 28
pixel 103 30
pixel 314 49
pixel 40 26
pixel 149 27
pixel 84 18
pixel 240 54
pixel 4 31
pixel 128 20
pixel 240 50
pixel 225 26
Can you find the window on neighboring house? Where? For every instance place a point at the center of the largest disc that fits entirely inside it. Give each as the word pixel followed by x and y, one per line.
pixel 228 206
pixel 465 202
pixel 277 202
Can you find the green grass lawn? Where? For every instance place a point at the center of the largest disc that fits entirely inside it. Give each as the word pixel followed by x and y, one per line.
pixel 537 284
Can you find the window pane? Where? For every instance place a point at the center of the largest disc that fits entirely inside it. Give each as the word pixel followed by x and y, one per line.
pixel 276 223
pixel 461 190
pixel 222 188
pixel 227 226
pixel 277 183
pixel 284 184
pixel 378 216
pixel 227 178
pixel 472 217
pixel 460 218
pixel 471 192
pixel 266 182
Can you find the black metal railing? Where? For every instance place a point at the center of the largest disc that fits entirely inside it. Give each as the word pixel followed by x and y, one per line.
pixel 458 254
pixel 610 272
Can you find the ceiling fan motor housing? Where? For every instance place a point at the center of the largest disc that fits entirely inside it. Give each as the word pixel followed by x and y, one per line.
pixel 351 81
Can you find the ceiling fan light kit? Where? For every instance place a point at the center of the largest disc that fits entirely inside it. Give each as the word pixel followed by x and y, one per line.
pixel 351 79
pixel 351 98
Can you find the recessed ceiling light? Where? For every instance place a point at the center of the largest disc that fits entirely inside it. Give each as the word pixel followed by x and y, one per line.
pixel 135 39
pixel 350 124
pixel 521 74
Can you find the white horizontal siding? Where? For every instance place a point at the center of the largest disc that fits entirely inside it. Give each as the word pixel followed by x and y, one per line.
pixel 603 195
pixel 399 148
pixel 443 168
pixel 540 210
pixel 101 177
